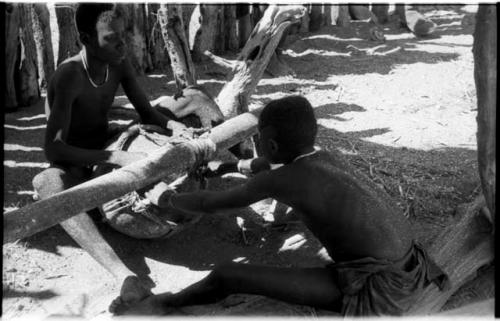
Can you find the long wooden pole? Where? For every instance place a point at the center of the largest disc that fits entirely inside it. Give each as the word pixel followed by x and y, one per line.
pixel 168 162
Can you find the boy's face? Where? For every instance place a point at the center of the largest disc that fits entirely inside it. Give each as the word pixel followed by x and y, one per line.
pixel 109 44
pixel 268 144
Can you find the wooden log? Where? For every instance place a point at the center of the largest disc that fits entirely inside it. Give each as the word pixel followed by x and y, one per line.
pixel 231 35
pixel 254 58
pixel 168 162
pixel 68 36
pixel 381 11
pixel 206 36
pixel 11 53
pixel 460 250
pixel 43 41
pixel 418 23
pixel 485 76
pixel 28 91
pixel 174 36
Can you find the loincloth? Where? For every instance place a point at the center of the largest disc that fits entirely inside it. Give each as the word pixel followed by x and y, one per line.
pixel 381 287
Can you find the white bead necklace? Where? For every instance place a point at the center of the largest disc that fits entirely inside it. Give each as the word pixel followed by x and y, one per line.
pixel 86 67
pixel 307 154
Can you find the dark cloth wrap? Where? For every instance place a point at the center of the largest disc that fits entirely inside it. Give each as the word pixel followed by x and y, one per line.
pixel 381 287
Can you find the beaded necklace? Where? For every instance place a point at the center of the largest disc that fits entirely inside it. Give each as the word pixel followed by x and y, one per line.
pixel 86 67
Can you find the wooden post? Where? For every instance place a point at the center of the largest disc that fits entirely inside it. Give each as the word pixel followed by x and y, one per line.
pixel 207 34
pixel 134 14
pixel 43 41
pixel 11 53
pixel 327 14
pixel 68 37
pixel 230 26
pixel 304 21
pixel 156 45
pixel 28 91
pixel 344 19
pixel 244 23
pixel 485 76
pixel 254 58
pixel 168 162
pixel 174 36
pixel 315 17
pixel 381 11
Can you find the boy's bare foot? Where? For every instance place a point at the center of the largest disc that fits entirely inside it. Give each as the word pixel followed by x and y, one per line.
pixel 132 291
pixel 150 305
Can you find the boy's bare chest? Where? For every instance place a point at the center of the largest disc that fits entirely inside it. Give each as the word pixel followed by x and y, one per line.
pixel 94 103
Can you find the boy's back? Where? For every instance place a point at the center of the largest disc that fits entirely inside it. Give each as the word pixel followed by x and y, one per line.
pixel 350 215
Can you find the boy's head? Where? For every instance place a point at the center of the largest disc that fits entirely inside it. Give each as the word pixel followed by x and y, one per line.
pixel 102 29
pixel 287 128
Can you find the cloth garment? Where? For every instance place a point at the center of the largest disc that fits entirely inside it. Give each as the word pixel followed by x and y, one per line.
pixel 381 287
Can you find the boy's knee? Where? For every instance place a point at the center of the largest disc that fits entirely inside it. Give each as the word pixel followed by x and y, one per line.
pixel 51 181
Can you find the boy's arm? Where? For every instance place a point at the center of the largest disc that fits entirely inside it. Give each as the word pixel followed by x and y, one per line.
pixel 244 166
pixel 138 98
pixel 256 189
pixel 68 85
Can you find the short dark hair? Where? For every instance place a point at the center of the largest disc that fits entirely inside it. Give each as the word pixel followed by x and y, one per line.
pixel 293 120
pixel 88 14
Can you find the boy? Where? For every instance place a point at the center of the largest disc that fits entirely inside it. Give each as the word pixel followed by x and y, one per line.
pixel 79 98
pixel 378 268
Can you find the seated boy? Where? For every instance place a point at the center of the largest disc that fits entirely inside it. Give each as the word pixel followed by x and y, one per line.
pixel 379 268
pixel 79 98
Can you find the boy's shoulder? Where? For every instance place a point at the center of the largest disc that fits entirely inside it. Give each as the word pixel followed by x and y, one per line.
pixel 69 73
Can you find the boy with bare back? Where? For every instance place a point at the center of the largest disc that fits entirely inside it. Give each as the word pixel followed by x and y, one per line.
pixel 379 268
pixel 79 98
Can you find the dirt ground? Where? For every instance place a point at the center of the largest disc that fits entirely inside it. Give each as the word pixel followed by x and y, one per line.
pixel 405 110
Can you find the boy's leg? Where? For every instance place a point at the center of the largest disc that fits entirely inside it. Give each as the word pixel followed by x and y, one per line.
pixel 314 287
pixel 83 230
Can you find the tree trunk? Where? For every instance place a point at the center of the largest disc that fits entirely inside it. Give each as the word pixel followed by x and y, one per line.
pixel 244 23
pixel 327 14
pixel 174 36
pixel 134 36
pixel 460 250
pixel 11 53
pixel 187 13
pixel 344 19
pixel 167 163
pixel 156 45
pixel 254 58
pixel 27 75
pixel 315 17
pixel 304 21
pixel 400 11
pixel 230 27
pixel 220 34
pixel 485 76
pixel 207 34
pixel 381 11
pixel 43 40
pixel 68 36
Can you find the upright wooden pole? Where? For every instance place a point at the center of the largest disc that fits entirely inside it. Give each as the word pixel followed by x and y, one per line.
pixel 28 91
pixel 485 75
pixel 11 54
pixel 43 40
pixel 174 36
pixel 68 36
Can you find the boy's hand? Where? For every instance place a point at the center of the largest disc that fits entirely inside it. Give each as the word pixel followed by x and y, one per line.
pixel 217 168
pixel 160 194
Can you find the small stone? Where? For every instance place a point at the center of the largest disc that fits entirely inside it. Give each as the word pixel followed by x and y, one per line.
pixel 20 307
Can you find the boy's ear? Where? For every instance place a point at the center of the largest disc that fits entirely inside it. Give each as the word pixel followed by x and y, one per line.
pixel 273 145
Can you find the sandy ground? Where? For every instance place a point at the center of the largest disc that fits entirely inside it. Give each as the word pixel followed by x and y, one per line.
pixel 407 109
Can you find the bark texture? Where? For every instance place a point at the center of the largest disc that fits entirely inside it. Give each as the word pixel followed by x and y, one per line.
pixel 68 35
pixel 11 53
pixel 485 75
pixel 43 40
pixel 174 36
pixel 254 58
